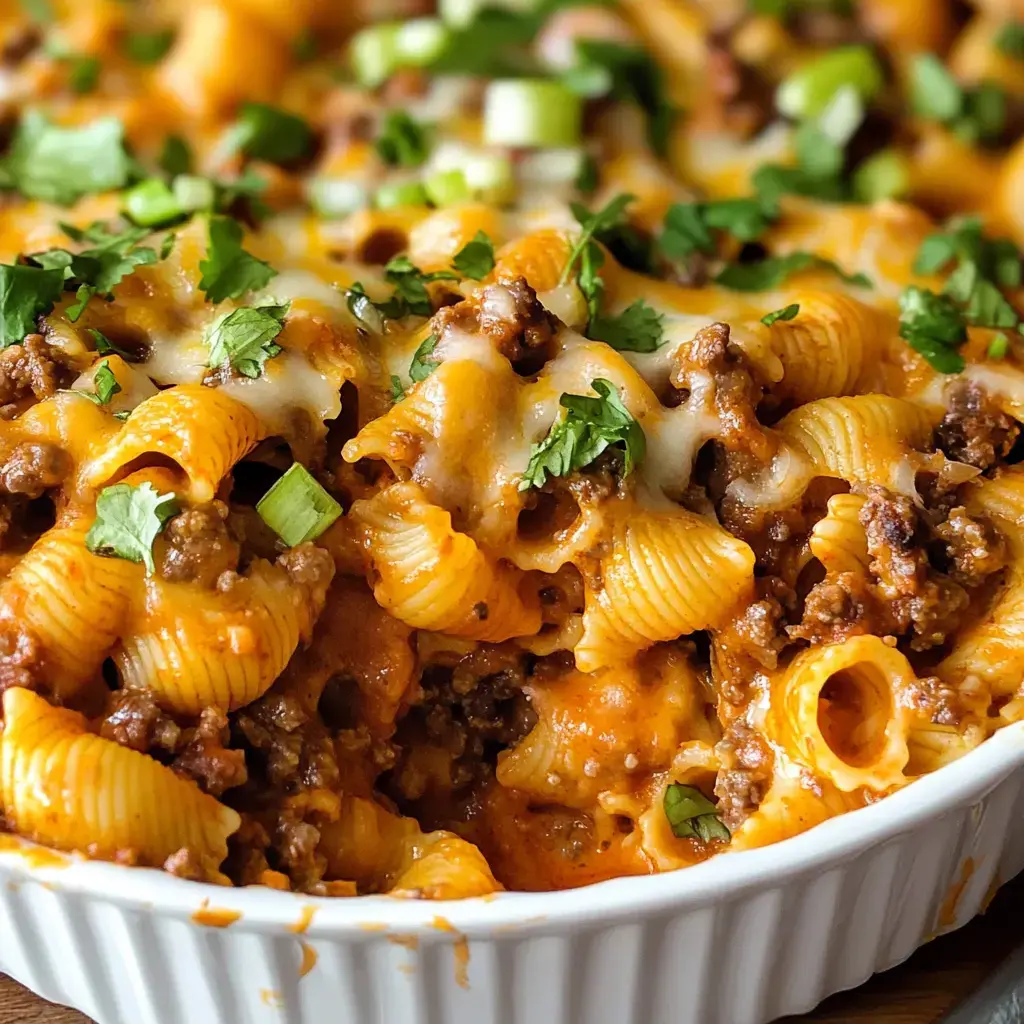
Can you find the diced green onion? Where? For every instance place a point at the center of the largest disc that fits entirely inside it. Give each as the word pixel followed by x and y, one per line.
pixel 490 177
pixel 193 192
pixel 405 193
pixel 446 188
pixel 999 346
pixel 806 92
pixel 373 54
pixel 420 41
pixel 297 508
pixel 335 197
pixel 151 202
pixel 886 175
pixel 551 167
pixel 535 113
pixel 461 12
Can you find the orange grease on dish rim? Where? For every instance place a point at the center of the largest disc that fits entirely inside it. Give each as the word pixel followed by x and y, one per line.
pixel 461 953
pixel 309 959
pixel 305 920
pixel 215 917
pixel 947 915
pixel 410 942
pixel 272 998
pixel 34 856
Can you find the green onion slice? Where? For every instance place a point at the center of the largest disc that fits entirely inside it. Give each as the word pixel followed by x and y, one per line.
pixel 297 508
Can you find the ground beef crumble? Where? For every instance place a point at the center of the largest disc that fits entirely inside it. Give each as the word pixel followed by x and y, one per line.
pixel 197 546
pixel 134 719
pixel 974 430
pixel 34 467
pixel 32 369
pixel 746 773
pixel 207 760
pixel 712 360
pixel 510 316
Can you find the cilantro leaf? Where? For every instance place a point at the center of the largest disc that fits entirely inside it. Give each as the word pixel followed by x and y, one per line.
pixel 593 225
pixel 933 325
pixel 244 338
pixel 786 313
pixel 228 270
pixel 998 347
pixel 105 384
pixel 692 815
pixel 772 272
pixel 476 258
pixel 411 296
pixel 96 270
pixel 60 165
pixel 266 133
pixel 590 426
pixel 83 72
pixel 128 520
pixel 361 306
pixel 105 347
pixel 420 368
pixel 687 226
pixel 26 293
pixel 403 141
pixel 1010 39
pixel 590 281
pixel 397 388
pixel 638 328
pixel 633 76
pixel 175 156
pixel 148 47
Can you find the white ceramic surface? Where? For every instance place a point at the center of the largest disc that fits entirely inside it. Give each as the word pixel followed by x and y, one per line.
pixel 741 939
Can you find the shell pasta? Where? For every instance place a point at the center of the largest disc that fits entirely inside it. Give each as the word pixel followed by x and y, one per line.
pixel 446 451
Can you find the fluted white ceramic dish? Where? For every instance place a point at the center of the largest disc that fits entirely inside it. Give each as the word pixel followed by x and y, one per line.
pixel 741 939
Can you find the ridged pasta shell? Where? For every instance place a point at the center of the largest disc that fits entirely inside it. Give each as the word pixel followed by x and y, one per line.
pixel 72 601
pixel 65 787
pixel 429 576
pixel 865 439
pixel 666 574
pixel 200 649
pixel 201 429
pixel 539 257
pixel 838 540
pixel 833 344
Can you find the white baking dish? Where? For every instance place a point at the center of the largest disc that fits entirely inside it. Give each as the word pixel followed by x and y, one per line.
pixel 741 939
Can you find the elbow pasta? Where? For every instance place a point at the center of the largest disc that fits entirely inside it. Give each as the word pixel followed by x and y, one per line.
pixel 435 504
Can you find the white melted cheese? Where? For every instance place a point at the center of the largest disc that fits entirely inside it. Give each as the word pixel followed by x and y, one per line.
pixel 288 382
pixel 302 285
pixel 180 360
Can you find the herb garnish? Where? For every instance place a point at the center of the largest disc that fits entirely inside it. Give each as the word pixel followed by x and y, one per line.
pixel 244 338
pixel 128 520
pixel 589 426
pixel 228 270
pixel 692 815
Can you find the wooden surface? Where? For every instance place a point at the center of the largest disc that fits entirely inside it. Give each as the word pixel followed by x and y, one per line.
pixel 919 992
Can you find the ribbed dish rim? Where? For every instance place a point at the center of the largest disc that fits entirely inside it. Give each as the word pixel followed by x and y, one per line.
pixel 823 847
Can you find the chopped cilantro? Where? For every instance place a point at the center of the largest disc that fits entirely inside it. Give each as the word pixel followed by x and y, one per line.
pixel 476 258
pixel 633 76
pixel 105 347
pixel 175 156
pixel 692 815
pixel 128 520
pixel 411 296
pixel 588 178
pixel 228 270
pixel 974 114
pixel 83 72
pixel 421 367
pixel 26 293
pixel 638 328
pixel 933 325
pixel 105 383
pixel 772 272
pixel 403 141
pixel 786 313
pixel 1010 39
pixel 98 269
pixel 148 47
pixel 397 389
pixel 60 165
pixel 590 425
pixel 688 226
pixel 266 133
pixel 244 338
pixel 589 279
pixel 593 225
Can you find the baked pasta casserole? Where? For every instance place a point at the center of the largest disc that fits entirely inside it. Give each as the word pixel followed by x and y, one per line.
pixel 501 446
